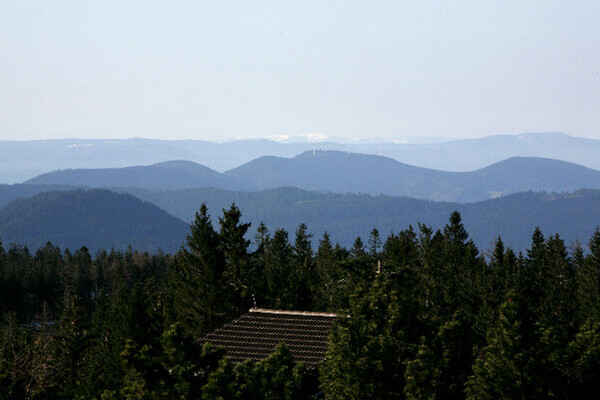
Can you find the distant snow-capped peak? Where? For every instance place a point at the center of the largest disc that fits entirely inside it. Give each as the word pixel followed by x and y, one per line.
pixel 301 137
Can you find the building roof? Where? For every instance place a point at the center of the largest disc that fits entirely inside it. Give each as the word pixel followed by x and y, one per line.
pixel 255 334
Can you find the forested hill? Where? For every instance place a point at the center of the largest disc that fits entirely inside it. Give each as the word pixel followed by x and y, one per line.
pixel 169 175
pixel 361 173
pixel 514 217
pixel 341 172
pixel 94 218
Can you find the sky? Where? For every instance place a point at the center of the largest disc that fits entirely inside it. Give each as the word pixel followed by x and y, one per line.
pixel 216 70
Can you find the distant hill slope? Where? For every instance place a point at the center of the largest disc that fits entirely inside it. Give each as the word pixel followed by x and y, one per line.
pixel 520 174
pixel 9 193
pixel 94 218
pixel 169 175
pixel 360 173
pixel 342 172
pixel 471 154
pixel 344 216
pixel 21 160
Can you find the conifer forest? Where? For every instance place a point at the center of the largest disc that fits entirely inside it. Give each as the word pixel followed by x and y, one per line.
pixel 422 314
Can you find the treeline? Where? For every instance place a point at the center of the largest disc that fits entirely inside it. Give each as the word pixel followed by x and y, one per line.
pixel 423 314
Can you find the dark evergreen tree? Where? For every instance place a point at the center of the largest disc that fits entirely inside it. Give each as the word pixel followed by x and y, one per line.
pixel 257 271
pixel 400 251
pixel 501 370
pixel 358 248
pixel 277 377
pixel 331 289
pixel 588 280
pixel 197 282
pixel 71 341
pixel 278 271
pixel 582 362
pixel 374 243
pixel 304 277
pixel 367 349
pixel 234 247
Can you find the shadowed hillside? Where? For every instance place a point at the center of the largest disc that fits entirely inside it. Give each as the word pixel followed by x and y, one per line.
pixel 94 218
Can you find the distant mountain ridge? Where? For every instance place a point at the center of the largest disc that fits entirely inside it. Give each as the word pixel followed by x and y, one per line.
pixel 21 160
pixel 169 175
pixel 93 218
pixel 344 172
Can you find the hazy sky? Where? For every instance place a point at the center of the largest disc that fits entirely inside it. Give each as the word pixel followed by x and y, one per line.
pixel 222 69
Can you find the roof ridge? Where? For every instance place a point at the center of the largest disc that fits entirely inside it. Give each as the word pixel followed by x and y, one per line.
pixel 290 312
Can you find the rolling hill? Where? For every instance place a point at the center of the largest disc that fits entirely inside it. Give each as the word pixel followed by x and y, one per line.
pixel 169 175
pixel 471 154
pixel 94 218
pixel 361 173
pixel 342 172
pixel 21 160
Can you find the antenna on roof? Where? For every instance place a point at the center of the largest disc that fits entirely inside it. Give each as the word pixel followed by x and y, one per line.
pixel 254 300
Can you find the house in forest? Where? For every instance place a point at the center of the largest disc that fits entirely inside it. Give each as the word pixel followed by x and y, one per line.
pixel 255 334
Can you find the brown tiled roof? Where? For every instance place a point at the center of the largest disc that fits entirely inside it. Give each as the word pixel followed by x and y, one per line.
pixel 255 334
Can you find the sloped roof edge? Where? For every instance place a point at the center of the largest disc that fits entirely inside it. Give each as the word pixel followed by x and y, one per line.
pixel 289 312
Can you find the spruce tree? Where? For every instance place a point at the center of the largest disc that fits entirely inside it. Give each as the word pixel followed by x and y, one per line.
pixel 198 288
pixel 368 347
pixel 71 341
pixel 583 362
pixel 278 271
pixel 234 247
pixel 374 243
pixel 500 370
pixel 332 286
pixel 304 279
pixel 588 280
pixel 257 271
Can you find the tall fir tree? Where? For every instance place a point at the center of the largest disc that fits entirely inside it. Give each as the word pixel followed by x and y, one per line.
pixel 234 247
pixel 197 283
pixel 374 243
pixel 278 271
pixel 368 348
pixel 500 370
pixel 305 275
